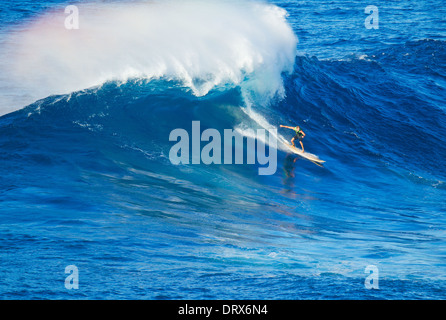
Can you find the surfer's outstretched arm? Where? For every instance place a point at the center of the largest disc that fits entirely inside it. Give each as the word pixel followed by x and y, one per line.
pixel 287 127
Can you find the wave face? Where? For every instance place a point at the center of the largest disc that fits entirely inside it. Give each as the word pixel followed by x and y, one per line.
pixel 87 180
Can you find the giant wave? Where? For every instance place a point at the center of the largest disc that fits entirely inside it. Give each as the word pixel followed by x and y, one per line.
pixel 85 169
pixel 201 44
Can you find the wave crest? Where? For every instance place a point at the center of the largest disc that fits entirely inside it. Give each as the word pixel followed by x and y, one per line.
pixel 202 44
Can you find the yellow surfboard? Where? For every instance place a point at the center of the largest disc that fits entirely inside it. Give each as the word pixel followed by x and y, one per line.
pixel 305 155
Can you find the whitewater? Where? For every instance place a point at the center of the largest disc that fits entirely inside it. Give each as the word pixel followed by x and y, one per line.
pixel 244 44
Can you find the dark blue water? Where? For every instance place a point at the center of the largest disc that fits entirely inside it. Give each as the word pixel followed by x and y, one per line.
pixel 86 178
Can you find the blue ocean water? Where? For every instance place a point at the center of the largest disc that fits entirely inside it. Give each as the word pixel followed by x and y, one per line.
pixel 86 178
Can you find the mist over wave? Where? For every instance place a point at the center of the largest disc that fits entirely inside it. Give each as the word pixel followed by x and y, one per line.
pixel 201 44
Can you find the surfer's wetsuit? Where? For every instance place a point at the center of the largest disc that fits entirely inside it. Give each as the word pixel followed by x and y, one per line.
pixel 299 135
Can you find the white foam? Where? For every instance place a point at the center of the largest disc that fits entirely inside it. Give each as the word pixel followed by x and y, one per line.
pixel 202 44
pixel 261 121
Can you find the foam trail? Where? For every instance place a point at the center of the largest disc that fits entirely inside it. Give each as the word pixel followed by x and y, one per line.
pixel 201 44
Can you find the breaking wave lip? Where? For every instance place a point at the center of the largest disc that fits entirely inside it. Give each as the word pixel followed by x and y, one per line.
pixel 202 44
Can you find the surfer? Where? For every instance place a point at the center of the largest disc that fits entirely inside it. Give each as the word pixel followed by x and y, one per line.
pixel 299 135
